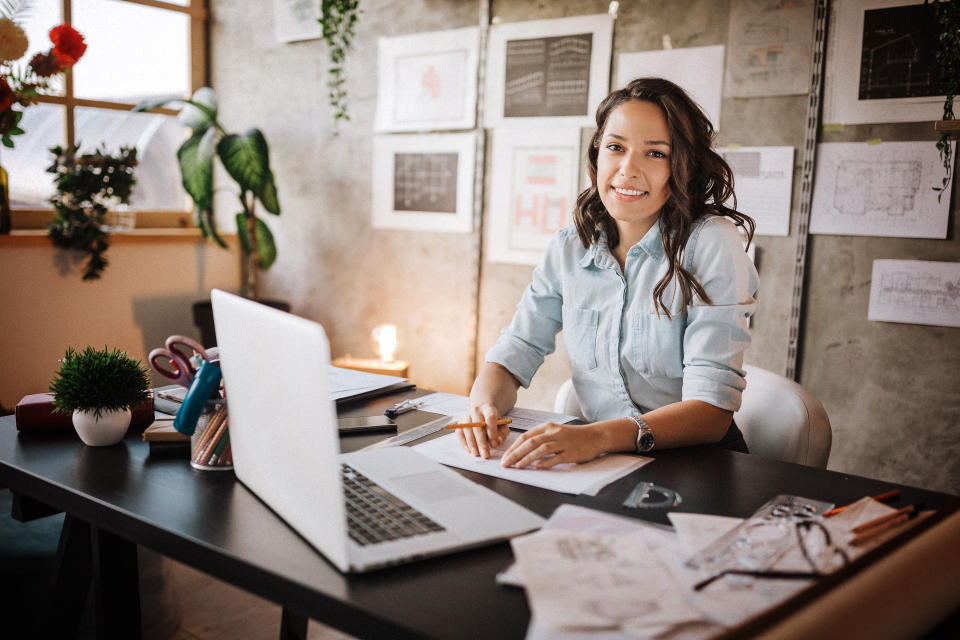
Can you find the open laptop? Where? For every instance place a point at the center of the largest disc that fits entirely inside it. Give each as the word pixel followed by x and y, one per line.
pixel 286 449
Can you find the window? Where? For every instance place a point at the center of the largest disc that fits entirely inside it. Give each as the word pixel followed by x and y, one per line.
pixel 125 61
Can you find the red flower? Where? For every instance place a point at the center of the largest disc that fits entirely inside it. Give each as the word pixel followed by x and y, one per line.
pixel 46 64
pixel 6 95
pixel 68 44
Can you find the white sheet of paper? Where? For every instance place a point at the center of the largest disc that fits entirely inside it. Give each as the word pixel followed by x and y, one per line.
pixel 585 579
pixel 768 48
pixel 764 179
pixel 885 189
pixel 449 404
pixel 347 382
pixel 698 70
pixel 587 478
pixel 915 292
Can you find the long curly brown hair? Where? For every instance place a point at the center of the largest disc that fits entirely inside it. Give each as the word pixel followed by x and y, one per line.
pixel 700 183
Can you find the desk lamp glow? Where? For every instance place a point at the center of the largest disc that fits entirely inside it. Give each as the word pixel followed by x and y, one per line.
pixel 385 337
pixel 385 341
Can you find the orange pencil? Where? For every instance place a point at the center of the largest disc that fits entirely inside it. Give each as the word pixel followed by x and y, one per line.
pixel 893 493
pixel 471 425
pixel 876 522
pixel 873 532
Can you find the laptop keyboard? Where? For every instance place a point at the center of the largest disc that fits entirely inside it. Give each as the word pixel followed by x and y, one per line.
pixel 376 515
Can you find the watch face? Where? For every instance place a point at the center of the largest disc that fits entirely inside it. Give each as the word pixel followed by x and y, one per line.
pixel 645 441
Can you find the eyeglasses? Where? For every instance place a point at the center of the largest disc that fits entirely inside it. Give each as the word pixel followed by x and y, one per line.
pixel 814 541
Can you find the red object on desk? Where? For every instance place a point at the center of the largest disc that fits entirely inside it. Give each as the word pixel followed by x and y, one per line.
pixel 35 413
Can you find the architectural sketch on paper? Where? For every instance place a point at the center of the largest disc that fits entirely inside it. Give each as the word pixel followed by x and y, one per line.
pixel 764 184
pixel 915 291
pixel 898 59
pixel 768 50
pixel 883 189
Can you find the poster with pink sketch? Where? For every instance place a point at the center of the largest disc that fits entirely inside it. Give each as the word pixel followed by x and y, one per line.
pixel 534 187
pixel 427 81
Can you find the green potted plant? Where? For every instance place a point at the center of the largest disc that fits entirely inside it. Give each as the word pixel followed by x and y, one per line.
pixel 246 158
pixel 948 59
pixel 88 186
pixel 98 387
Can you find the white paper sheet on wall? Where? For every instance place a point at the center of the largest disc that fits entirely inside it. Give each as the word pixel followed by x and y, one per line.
pixel 915 292
pixel 763 180
pixel 768 49
pixel 864 189
pixel 698 70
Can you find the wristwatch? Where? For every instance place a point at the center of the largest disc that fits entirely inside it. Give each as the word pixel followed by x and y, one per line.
pixel 645 440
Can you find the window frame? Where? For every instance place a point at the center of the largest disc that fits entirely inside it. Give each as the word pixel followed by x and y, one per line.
pixel 199 54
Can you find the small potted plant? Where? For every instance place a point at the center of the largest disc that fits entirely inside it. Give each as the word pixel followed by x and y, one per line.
pixel 99 387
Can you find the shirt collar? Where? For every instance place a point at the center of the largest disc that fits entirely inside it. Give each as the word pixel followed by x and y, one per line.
pixel 599 252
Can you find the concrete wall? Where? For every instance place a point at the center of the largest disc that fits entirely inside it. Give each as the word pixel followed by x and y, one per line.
pixel 891 390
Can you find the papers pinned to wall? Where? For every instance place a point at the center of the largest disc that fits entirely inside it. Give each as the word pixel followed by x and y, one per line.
pixel 533 191
pixel 763 178
pixel 880 62
pixel 769 48
pixel 864 189
pixel 295 20
pixel 698 70
pixel 556 69
pixel 424 182
pixel 915 292
pixel 428 81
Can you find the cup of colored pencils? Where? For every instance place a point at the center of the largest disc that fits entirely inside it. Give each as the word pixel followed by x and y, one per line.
pixel 210 442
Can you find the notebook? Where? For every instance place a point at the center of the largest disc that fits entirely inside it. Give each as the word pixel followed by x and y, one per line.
pixel 283 432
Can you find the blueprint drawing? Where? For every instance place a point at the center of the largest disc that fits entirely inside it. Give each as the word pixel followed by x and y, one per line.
pixel 915 292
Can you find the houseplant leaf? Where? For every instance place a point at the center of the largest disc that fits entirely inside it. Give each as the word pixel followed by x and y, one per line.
pixel 196 167
pixel 149 104
pixel 266 247
pixel 246 158
pixel 200 112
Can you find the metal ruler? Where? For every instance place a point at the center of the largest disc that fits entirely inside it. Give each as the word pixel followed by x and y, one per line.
pixel 412 434
pixel 815 98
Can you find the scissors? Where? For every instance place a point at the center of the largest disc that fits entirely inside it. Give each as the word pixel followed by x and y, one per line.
pixel 174 361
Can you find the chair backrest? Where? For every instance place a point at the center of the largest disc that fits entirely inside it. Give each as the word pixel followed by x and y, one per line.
pixel 779 418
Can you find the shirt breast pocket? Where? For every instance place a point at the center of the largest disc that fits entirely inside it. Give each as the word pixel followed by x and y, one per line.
pixel 658 344
pixel 580 336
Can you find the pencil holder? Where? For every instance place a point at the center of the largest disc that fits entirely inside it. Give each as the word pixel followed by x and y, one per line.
pixel 210 442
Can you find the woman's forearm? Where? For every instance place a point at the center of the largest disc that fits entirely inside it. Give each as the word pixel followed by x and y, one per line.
pixel 494 385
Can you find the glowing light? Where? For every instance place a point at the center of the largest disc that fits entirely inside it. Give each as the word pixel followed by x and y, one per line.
pixel 386 339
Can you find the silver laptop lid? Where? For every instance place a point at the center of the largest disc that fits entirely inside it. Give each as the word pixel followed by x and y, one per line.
pixel 282 420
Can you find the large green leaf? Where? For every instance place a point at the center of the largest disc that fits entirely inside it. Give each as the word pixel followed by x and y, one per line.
pixel 246 158
pixel 266 247
pixel 196 167
pixel 206 223
pixel 200 111
pixel 148 104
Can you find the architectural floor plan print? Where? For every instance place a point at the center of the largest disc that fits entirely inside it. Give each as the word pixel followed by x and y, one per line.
pixel 879 189
pixel 916 292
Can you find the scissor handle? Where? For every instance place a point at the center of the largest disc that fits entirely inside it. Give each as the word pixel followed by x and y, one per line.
pixel 173 342
pixel 171 364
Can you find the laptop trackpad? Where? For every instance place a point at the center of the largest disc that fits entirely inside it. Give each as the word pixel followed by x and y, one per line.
pixel 432 486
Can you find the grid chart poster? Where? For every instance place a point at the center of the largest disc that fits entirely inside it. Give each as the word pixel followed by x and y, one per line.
pixel 547 76
pixel 880 64
pixel 427 81
pixel 547 69
pixel 424 182
pixel 764 183
pixel 915 292
pixel 769 48
pixel 534 190
pixel 886 189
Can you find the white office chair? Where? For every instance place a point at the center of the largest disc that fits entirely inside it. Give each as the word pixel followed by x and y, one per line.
pixel 779 418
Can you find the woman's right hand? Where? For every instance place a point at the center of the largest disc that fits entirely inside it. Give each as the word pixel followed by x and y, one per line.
pixel 479 440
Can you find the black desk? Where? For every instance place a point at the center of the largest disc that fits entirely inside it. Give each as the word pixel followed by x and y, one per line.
pixel 118 497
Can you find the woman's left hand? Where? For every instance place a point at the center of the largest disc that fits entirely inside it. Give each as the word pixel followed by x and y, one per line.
pixel 551 444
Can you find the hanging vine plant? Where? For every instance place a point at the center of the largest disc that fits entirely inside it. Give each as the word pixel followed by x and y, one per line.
pixel 338 18
pixel 948 59
pixel 87 186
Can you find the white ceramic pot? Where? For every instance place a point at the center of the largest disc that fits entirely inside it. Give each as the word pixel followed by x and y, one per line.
pixel 104 431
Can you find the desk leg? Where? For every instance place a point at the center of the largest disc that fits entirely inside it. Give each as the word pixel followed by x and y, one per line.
pixel 116 586
pixel 293 626
pixel 71 582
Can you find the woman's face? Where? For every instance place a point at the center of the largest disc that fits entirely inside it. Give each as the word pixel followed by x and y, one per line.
pixel 633 166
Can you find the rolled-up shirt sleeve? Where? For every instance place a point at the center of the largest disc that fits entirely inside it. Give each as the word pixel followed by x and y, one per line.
pixel 531 335
pixel 716 335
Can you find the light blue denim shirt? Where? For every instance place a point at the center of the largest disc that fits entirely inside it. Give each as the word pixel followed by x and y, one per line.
pixel 624 358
